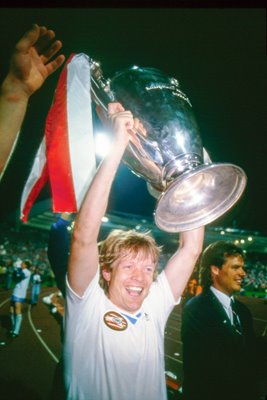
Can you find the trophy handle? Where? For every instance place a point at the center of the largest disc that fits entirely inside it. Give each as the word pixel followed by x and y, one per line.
pixel 100 87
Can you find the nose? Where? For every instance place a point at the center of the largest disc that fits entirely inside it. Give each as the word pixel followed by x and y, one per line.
pixel 137 274
pixel 243 272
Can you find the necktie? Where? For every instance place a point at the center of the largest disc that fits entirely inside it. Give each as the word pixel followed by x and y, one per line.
pixel 236 321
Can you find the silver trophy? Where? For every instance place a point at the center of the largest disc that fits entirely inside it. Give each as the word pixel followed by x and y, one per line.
pixel 191 190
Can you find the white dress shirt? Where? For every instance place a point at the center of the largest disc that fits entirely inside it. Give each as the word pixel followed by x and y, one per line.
pixel 225 300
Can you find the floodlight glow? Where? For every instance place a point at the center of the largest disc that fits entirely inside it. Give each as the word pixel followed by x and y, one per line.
pixel 102 144
pixel 105 219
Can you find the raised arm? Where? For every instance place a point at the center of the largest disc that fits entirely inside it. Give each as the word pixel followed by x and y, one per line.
pixel 30 65
pixel 83 262
pixel 180 266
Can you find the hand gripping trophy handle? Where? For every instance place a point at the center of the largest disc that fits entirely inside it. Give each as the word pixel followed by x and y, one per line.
pixel 191 190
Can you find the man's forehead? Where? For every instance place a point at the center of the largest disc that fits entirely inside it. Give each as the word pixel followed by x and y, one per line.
pixel 136 256
pixel 235 259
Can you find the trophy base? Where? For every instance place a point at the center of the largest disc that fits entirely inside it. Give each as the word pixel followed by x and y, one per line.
pixel 199 196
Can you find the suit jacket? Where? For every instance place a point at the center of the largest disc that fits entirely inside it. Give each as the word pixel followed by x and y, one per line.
pixel 218 362
pixel 58 251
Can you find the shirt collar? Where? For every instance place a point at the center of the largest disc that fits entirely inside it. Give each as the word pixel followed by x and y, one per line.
pixel 222 297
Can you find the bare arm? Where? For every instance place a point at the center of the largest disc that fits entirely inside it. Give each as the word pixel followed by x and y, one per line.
pixel 30 65
pixel 180 266
pixel 83 262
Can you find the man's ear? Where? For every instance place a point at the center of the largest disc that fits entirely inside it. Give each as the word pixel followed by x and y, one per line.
pixel 106 274
pixel 215 270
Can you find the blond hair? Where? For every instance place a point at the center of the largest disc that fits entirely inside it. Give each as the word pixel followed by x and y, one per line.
pixel 120 243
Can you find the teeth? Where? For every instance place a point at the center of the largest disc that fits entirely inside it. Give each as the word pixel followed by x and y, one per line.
pixel 135 289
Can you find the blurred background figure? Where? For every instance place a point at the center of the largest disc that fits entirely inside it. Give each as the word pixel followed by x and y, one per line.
pixel 192 289
pixel 21 277
pixel 59 248
pixel 9 273
pixel 36 281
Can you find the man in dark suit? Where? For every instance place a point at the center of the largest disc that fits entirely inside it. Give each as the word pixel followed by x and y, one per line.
pixel 219 345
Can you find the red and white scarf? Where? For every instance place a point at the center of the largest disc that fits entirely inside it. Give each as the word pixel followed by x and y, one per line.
pixel 66 155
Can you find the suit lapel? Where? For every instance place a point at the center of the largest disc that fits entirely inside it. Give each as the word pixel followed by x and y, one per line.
pixel 218 310
pixel 220 315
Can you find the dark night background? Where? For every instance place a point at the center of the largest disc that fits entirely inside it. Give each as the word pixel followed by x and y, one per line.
pixel 217 54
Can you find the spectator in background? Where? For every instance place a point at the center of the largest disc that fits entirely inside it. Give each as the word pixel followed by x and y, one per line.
pixel 30 65
pixel 220 356
pixel 190 290
pixel 21 276
pixel 3 270
pixel 36 281
pixel 58 249
pixel 9 274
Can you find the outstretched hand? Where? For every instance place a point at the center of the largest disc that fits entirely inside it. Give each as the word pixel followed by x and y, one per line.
pixel 30 63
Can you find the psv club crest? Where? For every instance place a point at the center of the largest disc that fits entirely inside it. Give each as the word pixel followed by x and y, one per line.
pixel 115 321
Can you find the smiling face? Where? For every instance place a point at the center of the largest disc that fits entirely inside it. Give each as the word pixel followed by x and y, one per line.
pixel 228 278
pixel 129 280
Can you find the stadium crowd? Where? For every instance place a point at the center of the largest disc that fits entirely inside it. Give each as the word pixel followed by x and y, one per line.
pixel 26 244
pixel 30 243
pixel 256 278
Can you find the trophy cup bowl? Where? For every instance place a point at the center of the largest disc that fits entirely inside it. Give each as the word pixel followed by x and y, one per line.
pixel 191 191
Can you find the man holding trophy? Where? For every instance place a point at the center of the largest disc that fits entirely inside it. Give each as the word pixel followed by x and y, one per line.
pixel 116 305
pixel 114 337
